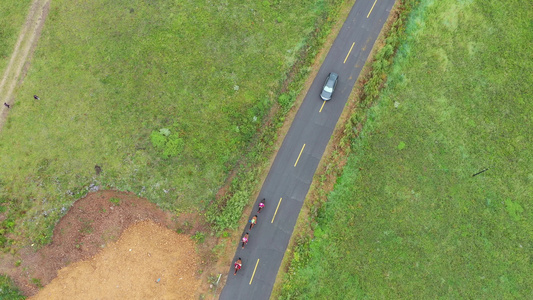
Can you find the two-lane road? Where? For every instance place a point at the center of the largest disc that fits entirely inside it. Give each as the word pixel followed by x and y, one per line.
pixel 293 169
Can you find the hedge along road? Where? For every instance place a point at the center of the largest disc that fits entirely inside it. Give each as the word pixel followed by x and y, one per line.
pixel 289 179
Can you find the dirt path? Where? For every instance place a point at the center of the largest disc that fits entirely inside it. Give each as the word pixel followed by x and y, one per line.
pixel 20 58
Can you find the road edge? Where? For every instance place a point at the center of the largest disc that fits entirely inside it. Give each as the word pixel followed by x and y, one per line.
pixel 302 223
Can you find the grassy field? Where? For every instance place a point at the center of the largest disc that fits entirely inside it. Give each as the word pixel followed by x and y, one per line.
pixel 164 96
pixel 12 16
pixel 407 219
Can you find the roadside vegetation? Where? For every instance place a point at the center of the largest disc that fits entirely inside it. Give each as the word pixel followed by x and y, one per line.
pixel 408 218
pixel 225 212
pixel 12 16
pixel 156 98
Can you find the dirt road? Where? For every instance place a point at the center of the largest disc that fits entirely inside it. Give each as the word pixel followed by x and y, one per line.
pixel 21 57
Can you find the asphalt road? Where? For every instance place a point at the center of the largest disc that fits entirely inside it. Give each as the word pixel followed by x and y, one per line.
pixel 293 169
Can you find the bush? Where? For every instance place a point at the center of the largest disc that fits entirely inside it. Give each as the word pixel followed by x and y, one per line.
pixel 199 237
pixel 174 146
pixel 167 143
pixel 284 101
pixel 8 290
pixel 158 140
pixel 115 201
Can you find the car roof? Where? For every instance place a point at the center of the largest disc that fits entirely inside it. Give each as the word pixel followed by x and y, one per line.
pixel 333 75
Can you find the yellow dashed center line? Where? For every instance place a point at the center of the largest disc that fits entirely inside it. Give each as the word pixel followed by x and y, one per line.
pixel 276 211
pixel 349 52
pixel 371 9
pixel 253 274
pixel 322 107
pixel 299 155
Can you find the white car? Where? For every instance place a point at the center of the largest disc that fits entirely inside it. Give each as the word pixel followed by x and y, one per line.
pixel 329 86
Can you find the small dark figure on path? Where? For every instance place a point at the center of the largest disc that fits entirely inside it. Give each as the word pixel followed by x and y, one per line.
pixel 245 240
pixel 261 205
pixel 238 265
pixel 253 221
pixel 98 169
pixel 6 105
pixel 36 97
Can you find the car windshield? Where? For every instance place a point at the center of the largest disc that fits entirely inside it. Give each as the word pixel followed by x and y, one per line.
pixel 328 89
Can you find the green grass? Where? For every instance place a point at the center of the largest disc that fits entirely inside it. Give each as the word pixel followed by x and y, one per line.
pixel 8 290
pixel 12 16
pixel 407 220
pixel 206 71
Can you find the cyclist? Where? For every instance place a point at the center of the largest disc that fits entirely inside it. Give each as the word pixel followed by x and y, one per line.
pixel 261 205
pixel 253 221
pixel 244 240
pixel 238 265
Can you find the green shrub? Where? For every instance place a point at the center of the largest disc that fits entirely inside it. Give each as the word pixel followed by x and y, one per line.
pixel 8 290
pixel 514 209
pixel 158 140
pixel 284 100
pixel 115 200
pixel 37 282
pixel 174 146
pixel 199 237
pixel 167 143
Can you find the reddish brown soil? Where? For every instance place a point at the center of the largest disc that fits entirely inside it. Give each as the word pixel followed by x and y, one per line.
pixel 149 261
pixel 90 224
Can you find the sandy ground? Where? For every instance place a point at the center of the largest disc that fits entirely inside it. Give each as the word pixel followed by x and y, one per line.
pixel 147 262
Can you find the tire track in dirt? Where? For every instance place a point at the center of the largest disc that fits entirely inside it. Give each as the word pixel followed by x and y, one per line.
pixel 20 58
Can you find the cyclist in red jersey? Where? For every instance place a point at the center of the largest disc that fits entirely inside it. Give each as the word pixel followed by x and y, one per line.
pixel 238 265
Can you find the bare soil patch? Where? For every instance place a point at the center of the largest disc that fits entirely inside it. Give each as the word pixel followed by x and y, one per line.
pixel 149 261
pixel 90 225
